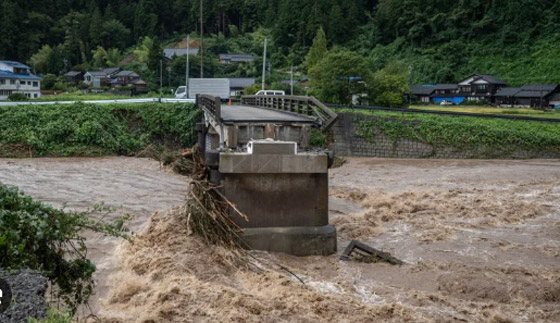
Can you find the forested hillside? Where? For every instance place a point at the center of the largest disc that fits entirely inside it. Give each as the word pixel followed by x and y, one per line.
pixel 422 41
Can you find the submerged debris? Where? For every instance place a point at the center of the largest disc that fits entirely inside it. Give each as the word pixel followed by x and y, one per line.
pixel 208 209
pixel 368 254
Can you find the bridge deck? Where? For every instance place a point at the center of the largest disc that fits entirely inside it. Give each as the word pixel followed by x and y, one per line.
pixel 244 113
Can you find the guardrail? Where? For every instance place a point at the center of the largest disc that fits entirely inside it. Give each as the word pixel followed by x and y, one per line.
pixel 439 112
pixel 210 104
pixel 117 101
pixel 303 105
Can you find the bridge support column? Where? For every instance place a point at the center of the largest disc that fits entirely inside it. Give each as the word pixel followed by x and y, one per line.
pixel 283 193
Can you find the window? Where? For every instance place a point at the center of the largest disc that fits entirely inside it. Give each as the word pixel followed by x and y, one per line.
pixel 35 95
pixel 35 84
pixel 2 81
pixel 12 82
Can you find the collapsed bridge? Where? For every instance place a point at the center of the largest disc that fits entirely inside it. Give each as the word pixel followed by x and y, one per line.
pixel 259 153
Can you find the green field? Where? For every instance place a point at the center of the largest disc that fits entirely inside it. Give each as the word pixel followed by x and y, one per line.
pixel 496 136
pixel 93 130
pixel 491 110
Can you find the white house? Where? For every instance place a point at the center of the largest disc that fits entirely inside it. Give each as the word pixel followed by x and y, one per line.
pixel 15 77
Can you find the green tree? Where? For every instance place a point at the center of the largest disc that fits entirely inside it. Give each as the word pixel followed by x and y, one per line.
pixel 317 50
pixel 114 34
pixel 98 57
pixel 113 57
pixel 389 85
pixel 337 25
pixel 339 75
pixel 39 60
pixel 155 55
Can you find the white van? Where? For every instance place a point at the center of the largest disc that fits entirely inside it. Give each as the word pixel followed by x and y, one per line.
pixel 270 92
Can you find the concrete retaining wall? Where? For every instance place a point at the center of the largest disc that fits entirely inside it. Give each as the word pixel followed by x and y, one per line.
pixel 345 142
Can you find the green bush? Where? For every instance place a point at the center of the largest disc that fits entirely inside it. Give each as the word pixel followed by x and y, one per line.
pixel 37 236
pixel 17 97
pixel 54 316
pixel 91 130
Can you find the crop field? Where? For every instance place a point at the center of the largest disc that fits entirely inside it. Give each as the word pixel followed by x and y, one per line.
pixel 491 110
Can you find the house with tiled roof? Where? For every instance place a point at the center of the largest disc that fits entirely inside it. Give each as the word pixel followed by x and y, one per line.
pixel 16 77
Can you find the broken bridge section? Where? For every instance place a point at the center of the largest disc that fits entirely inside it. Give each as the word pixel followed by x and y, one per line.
pixel 258 152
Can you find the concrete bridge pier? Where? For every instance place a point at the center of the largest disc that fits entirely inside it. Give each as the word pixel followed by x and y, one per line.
pixel 258 153
pixel 284 194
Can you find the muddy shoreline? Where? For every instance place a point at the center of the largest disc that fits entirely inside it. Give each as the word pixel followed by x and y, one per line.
pixel 481 240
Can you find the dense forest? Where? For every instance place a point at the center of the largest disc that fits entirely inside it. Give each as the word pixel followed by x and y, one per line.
pixel 429 41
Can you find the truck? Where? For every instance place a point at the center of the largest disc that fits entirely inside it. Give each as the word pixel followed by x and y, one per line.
pixel 213 86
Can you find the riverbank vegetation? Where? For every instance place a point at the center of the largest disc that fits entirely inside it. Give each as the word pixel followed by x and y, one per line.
pixel 37 236
pixel 494 135
pixel 93 130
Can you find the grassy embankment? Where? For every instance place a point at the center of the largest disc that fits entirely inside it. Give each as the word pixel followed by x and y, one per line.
pixel 491 110
pixel 94 130
pixel 493 138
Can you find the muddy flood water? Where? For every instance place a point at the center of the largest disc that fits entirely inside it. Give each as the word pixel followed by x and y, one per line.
pixel 480 239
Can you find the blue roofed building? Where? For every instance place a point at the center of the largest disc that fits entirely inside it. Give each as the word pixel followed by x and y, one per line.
pixel 16 77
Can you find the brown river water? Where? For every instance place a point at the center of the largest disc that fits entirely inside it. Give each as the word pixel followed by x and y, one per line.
pixel 481 242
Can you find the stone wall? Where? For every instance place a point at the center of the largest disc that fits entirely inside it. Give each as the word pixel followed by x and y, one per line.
pixel 345 142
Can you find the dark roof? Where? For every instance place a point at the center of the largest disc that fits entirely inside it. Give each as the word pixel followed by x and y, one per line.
pixel 445 87
pixel 507 91
pixel 140 82
pixel 14 64
pixel 111 70
pixel 10 75
pixel 491 79
pixel 539 87
pixel 97 73
pixel 536 90
pixel 487 77
pixel 422 89
pixel 73 73
pixel 240 82
pixel 237 57
pixel 124 73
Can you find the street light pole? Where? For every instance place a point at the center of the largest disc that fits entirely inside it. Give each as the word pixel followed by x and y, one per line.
pixel 292 80
pixel 187 69
pixel 201 41
pixel 264 65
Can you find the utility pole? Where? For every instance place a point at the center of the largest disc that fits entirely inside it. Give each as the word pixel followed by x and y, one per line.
pixel 264 65
pixel 201 41
pixel 292 80
pixel 187 69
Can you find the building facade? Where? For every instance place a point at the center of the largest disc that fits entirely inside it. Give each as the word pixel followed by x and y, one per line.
pixel 16 77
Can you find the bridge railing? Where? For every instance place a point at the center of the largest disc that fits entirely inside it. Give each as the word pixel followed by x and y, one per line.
pixel 210 104
pixel 303 105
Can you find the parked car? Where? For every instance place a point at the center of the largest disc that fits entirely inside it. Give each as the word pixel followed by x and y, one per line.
pixel 270 92
pixel 446 103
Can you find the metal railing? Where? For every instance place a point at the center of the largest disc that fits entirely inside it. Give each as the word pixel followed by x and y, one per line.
pixel 210 104
pixel 302 105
